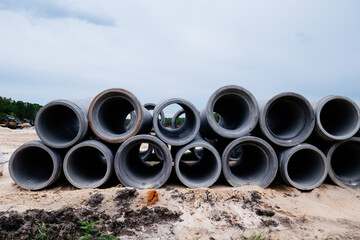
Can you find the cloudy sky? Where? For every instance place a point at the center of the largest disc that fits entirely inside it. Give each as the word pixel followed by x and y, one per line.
pixel 160 49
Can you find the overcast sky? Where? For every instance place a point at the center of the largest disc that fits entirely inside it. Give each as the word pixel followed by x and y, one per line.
pixel 160 49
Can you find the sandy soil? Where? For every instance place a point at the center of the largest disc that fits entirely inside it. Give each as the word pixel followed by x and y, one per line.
pixel 219 212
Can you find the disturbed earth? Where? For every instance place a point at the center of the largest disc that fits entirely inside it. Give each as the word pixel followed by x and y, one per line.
pixel 173 211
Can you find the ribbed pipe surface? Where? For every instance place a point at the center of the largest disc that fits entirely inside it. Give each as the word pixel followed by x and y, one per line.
pixel 131 169
pixel 62 123
pixel 35 166
pixel 287 119
pixel 108 112
pixel 257 164
pixel 88 164
pixel 304 166
pixel 344 163
pixel 237 111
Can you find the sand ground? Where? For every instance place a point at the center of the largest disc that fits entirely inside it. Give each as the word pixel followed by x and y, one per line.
pixel 219 212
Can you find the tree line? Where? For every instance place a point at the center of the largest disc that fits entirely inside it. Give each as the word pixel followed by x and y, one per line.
pixel 18 109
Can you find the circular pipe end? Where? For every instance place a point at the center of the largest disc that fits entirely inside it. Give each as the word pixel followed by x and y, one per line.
pixel 132 171
pixel 108 112
pixel 238 112
pixel 187 132
pixel 344 163
pixel 304 167
pixel 257 164
pixel 61 124
pixel 287 119
pixel 201 172
pixel 337 118
pixel 88 164
pixel 34 166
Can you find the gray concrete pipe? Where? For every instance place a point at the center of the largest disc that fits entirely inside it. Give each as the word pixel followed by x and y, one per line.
pixel 151 107
pixel 35 166
pixel 344 163
pixel 133 172
pixel 201 171
pixel 287 119
pixel 187 132
pixel 238 110
pixel 88 164
pixel 62 123
pixel 337 118
pixel 304 166
pixel 108 112
pixel 257 165
pixel 175 118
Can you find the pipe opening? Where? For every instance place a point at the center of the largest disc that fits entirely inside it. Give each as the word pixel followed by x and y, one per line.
pixel 32 166
pixel 253 164
pixel 136 170
pixel 345 163
pixel 86 166
pixel 187 128
pixel 233 110
pixel 286 118
pixel 115 115
pixel 306 167
pixel 197 171
pixel 58 124
pixel 338 117
pixel 178 119
pixel 149 154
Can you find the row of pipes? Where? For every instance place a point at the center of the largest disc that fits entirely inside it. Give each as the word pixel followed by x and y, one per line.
pixel 234 137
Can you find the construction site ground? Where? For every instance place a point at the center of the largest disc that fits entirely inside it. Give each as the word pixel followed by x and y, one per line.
pixel 174 211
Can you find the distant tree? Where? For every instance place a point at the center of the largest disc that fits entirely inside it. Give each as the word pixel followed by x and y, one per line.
pixel 19 109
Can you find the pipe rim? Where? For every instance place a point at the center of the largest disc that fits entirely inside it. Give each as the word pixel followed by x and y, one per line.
pixel 333 176
pixel 161 131
pixel 106 153
pixel 80 115
pixel 307 126
pixel 253 108
pixel 119 161
pixel 98 102
pixel 319 126
pixel 284 163
pixel 272 161
pixel 189 183
pixel 56 161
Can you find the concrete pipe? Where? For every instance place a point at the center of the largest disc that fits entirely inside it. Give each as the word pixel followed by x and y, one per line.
pixel 337 118
pixel 62 123
pixel 151 107
pixel 257 166
pixel 35 166
pixel 287 119
pixel 304 166
pixel 344 163
pixel 133 172
pixel 187 132
pixel 236 107
pixel 88 164
pixel 201 171
pixel 175 118
pixel 108 112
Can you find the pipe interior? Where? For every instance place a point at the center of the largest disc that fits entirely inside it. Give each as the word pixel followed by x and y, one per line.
pixel 306 167
pixel 186 129
pixel 113 114
pixel 345 163
pixel 87 165
pixel 287 117
pixel 338 117
pixel 33 166
pixel 233 110
pixel 253 164
pixel 139 171
pixel 200 170
pixel 59 124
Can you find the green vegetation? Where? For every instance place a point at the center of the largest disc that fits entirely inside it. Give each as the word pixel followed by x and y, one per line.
pixel 90 229
pixel 18 109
